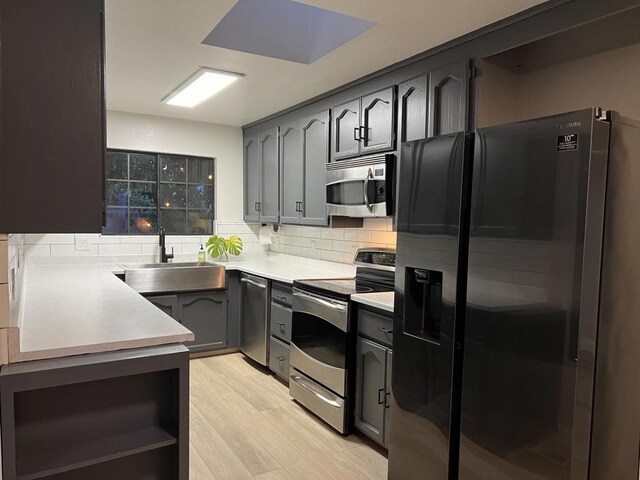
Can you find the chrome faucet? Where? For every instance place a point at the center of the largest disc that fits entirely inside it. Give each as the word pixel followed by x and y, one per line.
pixel 164 257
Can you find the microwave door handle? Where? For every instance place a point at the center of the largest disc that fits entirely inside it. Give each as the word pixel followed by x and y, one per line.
pixel 366 190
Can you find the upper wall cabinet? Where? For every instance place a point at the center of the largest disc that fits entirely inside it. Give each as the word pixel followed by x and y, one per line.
pixel 52 125
pixel 433 104
pixel 448 93
pixel 261 177
pixel 304 153
pixel 364 125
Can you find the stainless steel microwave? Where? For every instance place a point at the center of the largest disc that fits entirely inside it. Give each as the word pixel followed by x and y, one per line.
pixel 361 187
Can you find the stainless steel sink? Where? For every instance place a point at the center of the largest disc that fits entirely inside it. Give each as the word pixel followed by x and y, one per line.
pixel 174 277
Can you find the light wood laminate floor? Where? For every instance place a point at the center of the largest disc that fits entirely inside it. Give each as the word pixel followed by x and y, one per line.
pixel 244 425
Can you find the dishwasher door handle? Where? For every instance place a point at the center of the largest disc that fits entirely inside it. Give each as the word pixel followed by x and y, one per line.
pixel 251 282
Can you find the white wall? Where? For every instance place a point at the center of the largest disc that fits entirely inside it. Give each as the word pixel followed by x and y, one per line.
pixel 169 135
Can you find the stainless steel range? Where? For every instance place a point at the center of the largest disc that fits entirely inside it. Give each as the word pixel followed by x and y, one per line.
pixel 323 336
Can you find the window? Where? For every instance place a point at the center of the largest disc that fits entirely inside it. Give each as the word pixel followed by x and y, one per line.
pixel 145 191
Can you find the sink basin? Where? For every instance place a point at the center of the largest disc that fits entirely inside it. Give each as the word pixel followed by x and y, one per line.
pixel 174 277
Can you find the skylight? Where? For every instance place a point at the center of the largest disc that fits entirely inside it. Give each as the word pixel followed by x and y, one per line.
pixel 285 29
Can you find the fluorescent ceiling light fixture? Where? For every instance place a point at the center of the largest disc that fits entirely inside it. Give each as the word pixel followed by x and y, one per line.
pixel 200 86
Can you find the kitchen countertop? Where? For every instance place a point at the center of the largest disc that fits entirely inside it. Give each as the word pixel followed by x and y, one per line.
pixel 381 300
pixel 76 305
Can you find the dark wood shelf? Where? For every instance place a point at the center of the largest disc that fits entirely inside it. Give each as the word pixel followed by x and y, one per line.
pixel 43 464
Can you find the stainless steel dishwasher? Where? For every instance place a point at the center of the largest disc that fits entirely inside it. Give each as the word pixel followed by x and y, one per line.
pixel 256 294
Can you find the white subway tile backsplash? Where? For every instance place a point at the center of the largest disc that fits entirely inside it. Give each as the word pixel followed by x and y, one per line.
pixel 357 235
pixel 44 249
pixel 50 239
pixel 71 250
pixel 333 234
pixel 119 249
pixel 337 245
pixel 142 239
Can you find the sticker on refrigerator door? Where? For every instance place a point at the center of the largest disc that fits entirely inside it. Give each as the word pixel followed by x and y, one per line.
pixel 567 142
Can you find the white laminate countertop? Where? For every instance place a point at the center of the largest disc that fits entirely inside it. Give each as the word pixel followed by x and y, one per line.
pixel 77 305
pixel 78 309
pixel 381 300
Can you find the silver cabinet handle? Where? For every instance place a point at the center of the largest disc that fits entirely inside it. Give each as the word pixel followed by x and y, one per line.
pixel 356 134
pixel 251 282
pixel 385 330
pixel 368 204
pixel 319 301
pixel 281 359
pixel 300 381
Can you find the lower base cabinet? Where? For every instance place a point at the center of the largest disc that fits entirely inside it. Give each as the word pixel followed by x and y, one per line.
pixel 280 317
pixel 279 359
pixel 373 375
pixel 104 416
pixel 205 314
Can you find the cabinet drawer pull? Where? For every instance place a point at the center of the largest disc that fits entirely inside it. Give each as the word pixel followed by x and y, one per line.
pixel 381 400
pixel 385 330
pixel 281 359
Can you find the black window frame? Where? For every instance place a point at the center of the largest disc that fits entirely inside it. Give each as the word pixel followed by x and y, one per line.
pixel 158 182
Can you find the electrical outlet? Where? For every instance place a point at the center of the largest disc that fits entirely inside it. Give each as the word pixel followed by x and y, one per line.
pixel 82 243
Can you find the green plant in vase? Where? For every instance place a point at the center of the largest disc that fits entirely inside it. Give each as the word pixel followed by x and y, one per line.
pixel 217 246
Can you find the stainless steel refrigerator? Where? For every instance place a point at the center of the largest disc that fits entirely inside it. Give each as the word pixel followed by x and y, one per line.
pixel 500 247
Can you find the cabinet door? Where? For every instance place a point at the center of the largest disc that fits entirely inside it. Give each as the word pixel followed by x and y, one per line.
pixel 205 314
pixel 387 399
pixel 413 102
pixel 251 179
pixel 167 303
pixel 448 89
pixel 52 102
pixel 345 141
pixel 378 121
pixel 370 389
pixel 315 155
pixel 270 173
pixel 290 173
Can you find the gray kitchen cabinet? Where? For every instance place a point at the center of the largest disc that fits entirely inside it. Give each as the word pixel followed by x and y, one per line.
pixel 234 307
pixel 112 415
pixel 205 314
pixel 304 153
pixel 261 177
pixel 269 205
pixel 167 303
pixel 345 141
pixel 387 385
pixel 378 121
pixel 251 179
pixel 281 316
pixel 413 109
pixel 364 125
pixel 291 172
pixel 448 97
pixel 315 156
pixel 370 412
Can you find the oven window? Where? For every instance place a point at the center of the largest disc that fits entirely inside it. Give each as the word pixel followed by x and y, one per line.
pixel 319 339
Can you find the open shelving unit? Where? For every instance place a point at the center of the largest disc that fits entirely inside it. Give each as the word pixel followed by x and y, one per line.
pixel 102 416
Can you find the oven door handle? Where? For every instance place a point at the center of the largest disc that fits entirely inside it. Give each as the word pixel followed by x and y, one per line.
pixel 319 301
pixel 300 382
pixel 368 177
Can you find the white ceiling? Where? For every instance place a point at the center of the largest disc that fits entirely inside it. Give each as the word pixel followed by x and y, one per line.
pixel 154 45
